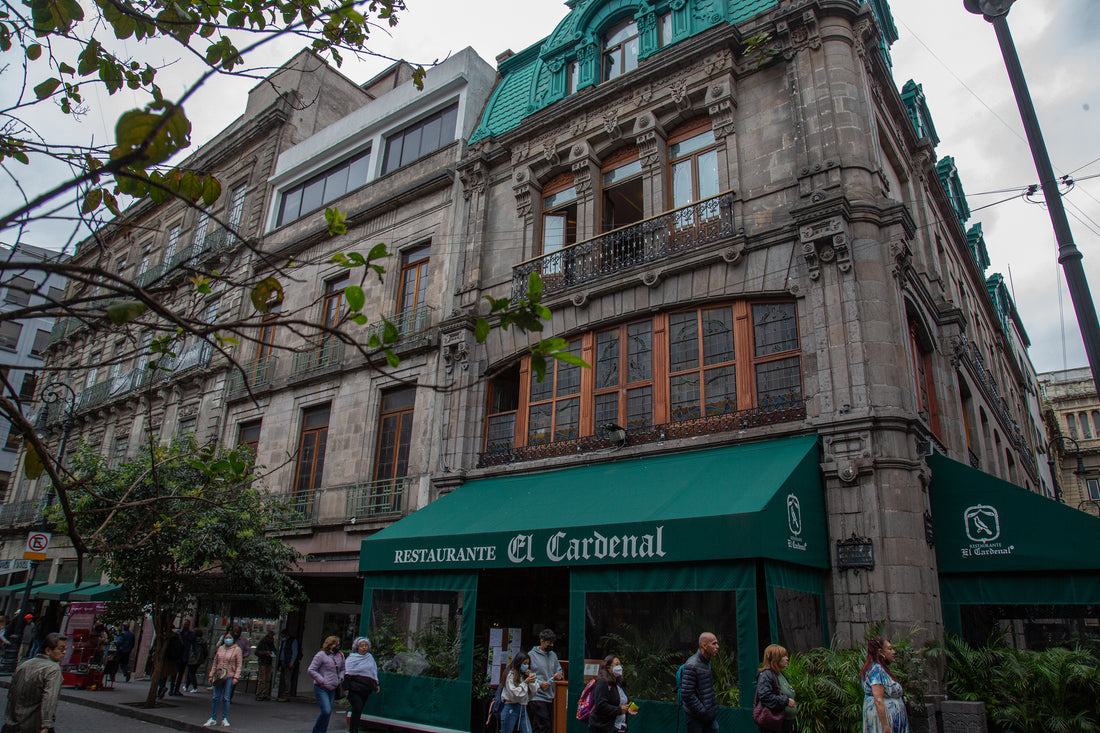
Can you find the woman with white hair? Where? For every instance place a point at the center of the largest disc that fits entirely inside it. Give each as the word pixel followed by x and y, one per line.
pixel 360 679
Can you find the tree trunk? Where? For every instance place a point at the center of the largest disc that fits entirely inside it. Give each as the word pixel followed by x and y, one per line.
pixel 162 626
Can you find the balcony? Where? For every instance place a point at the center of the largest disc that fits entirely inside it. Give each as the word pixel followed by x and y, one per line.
pixel 299 511
pixel 411 324
pixel 787 411
pixel 213 243
pixel 384 499
pixel 149 276
pixel 330 353
pixel 191 357
pixel 252 375
pixel 19 514
pixel 95 395
pixel 681 230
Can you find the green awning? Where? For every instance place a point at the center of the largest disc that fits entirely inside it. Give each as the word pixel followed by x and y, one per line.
pixel 60 591
pixel 18 588
pixel 986 525
pixel 95 593
pixel 746 501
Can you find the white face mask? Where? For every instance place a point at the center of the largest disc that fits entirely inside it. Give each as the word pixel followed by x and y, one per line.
pixel 617 670
pixel 228 640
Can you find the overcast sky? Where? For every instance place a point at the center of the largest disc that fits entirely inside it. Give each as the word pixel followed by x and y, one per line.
pixel 952 53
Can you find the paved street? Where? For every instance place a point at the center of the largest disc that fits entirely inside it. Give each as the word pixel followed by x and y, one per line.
pixel 108 711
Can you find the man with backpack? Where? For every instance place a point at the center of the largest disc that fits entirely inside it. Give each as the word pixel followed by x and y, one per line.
pixel 697 694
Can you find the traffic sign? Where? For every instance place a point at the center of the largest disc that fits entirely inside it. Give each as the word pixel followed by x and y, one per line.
pixel 37 544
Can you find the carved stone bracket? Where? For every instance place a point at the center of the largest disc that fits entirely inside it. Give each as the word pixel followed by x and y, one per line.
pixel 474 176
pixel 455 347
pixel 734 254
pixel 956 349
pixel 847 456
pixel 797 32
pixel 902 257
pixel 581 162
pixel 824 242
pixel 720 104
pixel 523 186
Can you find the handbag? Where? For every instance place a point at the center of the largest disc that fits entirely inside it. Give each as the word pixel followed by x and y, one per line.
pixel 765 717
pixel 341 690
pixel 219 676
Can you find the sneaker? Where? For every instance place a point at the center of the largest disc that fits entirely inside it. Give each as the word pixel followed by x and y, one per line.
pixel 210 723
pixel 225 722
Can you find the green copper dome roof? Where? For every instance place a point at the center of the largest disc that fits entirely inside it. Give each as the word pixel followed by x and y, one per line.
pixel 538 76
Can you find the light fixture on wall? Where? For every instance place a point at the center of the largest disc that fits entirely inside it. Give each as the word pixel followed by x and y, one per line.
pixel 614 432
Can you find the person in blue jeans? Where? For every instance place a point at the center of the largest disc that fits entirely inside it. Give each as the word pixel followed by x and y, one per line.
pixel 327 670
pixel 520 685
pixel 224 673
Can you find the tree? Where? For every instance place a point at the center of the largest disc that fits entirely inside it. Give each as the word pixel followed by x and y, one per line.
pixel 177 523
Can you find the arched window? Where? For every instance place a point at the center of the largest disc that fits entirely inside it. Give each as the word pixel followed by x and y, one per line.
pixel 925 380
pixel 620 49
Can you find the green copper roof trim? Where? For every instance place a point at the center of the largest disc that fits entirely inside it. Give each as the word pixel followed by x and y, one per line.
pixel 1006 307
pixel 976 239
pixel 912 94
pixel 949 177
pixel 537 77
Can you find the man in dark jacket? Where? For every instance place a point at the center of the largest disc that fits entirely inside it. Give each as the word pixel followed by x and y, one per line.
pixel 697 687
pixel 35 687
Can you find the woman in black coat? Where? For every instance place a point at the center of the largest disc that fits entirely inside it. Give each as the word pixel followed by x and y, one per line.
pixel 773 689
pixel 610 705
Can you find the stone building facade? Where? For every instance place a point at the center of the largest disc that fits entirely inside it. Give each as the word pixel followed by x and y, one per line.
pixel 1072 418
pixel 751 165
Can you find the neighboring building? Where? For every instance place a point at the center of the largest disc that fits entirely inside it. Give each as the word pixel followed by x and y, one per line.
pixel 351 444
pixel 1073 421
pixel 120 404
pixel 23 341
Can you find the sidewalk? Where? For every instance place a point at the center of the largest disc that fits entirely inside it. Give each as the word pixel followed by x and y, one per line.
pixel 190 711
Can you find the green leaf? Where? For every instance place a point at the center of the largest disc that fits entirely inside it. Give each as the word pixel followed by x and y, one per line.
pixel 534 287
pixel 377 252
pixel 390 332
pixel 46 88
pixel 267 294
pixel 201 283
pixel 359 318
pixel 392 358
pixel 211 190
pixel 356 298
pixel 124 311
pixel 538 366
pixel 34 51
pixel 481 330
pixel 569 358
pixel 32 463
pixel 340 259
pixel 66 69
pixel 336 219
pixel 92 201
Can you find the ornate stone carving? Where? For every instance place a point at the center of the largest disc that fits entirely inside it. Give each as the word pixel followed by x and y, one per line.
pixel 522 184
pixel 721 118
pixel 719 61
pixel 651 278
pixel 648 150
pixel 647 22
pixel 956 349
pixel 847 456
pixel 734 254
pixel 547 147
pixel 474 177
pixel 611 123
pixel 678 90
pixel 797 32
pixel 902 256
pixel 582 178
pixel 643 96
pixel 825 242
pixel 579 300
pixel 456 350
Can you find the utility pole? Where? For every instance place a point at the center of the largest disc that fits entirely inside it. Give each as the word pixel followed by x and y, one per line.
pixel 996 12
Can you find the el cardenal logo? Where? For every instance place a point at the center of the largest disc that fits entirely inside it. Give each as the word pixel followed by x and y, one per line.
pixel 794 514
pixel 982 523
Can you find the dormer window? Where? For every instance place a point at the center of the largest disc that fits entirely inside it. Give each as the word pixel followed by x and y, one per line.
pixel 620 53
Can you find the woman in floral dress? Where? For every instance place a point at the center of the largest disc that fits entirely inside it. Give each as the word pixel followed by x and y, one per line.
pixel 883 704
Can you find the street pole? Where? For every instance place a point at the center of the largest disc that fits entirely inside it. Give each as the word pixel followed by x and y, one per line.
pixel 50 394
pixel 996 12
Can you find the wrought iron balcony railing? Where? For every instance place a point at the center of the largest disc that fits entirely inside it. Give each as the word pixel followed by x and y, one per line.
pixel 299 510
pixel 680 230
pixel 409 323
pixel 252 375
pixel 149 276
pixel 329 353
pixel 95 395
pixel 20 513
pixel 788 411
pixel 384 499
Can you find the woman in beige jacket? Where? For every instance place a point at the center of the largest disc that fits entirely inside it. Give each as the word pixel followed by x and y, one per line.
pixel 224 673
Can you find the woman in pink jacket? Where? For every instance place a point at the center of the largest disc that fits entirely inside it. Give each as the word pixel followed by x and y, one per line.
pixel 224 673
pixel 327 670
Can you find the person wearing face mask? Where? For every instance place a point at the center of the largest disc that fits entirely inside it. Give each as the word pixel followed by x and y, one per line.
pixel 520 686
pixel 327 670
pixel 610 705
pixel 223 676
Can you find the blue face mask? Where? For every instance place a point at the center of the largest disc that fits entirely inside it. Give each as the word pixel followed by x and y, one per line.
pixel 524 667
pixel 228 640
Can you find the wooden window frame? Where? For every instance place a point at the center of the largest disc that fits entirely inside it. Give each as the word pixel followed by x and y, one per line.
pixel 686 132
pixel 316 465
pixel 401 414
pixel 924 381
pixel 619 48
pixel 418 269
pixel 745 362
pixel 619 159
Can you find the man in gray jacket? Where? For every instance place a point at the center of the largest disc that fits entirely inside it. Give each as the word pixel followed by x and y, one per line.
pixel 545 665
pixel 35 687
pixel 697 687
